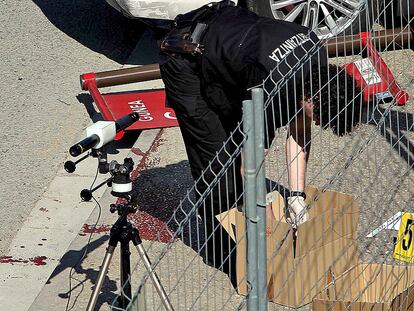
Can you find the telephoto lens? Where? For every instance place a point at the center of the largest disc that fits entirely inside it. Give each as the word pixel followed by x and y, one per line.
pixel 84 145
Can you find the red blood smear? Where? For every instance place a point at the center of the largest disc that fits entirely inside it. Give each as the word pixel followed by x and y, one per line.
pixel 9 259
pixel 143 164
pixel 138 152
pixel 151 228
pixel 37 261
pixel 87 229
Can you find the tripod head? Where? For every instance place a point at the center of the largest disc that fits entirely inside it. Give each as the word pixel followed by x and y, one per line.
pixel 120 179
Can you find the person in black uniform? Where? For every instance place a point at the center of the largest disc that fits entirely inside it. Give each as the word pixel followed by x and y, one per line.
pixel 207 74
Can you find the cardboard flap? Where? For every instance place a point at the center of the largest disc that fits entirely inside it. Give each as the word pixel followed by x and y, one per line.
pixel 329 199
pixel 367 286
pixel 386 282
pixel 298 280
pixel 228 221
pixel 241 256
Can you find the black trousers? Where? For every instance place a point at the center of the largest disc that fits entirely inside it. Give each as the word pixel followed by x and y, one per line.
pixel 205 131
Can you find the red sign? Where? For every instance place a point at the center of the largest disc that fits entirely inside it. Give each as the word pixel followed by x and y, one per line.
pixel 373 75
pixel 150 105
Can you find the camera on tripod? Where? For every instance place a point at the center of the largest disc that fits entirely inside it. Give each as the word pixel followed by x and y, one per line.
pixel 123 232
pixel 97 136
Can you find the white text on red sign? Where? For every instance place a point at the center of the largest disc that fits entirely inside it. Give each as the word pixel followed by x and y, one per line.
pixel 139 107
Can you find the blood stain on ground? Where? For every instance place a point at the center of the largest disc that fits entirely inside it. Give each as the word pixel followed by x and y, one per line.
pixel 151 228
pixel 138 152
pixel 11 260
pixel 88 229
pixel 143 164
pixel 37 261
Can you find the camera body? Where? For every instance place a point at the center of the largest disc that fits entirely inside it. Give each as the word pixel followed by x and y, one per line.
pixel 121 177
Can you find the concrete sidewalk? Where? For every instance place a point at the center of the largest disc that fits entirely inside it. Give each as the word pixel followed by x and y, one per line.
pixel 63 278
pixel 55 235
pixel 84 272
pixel 162 177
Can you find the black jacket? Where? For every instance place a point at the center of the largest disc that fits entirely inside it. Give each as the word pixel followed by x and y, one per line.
pixel 242 49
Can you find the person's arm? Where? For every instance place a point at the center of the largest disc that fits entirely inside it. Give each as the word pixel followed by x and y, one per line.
pixel 297 155
pixel 297 151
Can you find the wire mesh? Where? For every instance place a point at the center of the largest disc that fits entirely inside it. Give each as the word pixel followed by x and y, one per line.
pixel 184 265
pixel 361 179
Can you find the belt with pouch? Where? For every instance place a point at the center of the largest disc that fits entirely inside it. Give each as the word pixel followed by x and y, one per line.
pixel 189 29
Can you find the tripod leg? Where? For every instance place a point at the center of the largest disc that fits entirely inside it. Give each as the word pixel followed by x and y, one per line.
pixel 126 294
pixel 158 286
pixel 99 282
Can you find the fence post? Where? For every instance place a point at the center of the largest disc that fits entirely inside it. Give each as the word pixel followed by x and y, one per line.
pixel 250 208
pixel 139 302
pixel 258 103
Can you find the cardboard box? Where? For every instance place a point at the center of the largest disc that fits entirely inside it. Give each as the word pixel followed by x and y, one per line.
pixel 368 287
pixel 297 265
pixel 333 215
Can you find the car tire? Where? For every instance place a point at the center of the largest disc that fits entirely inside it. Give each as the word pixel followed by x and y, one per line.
pixel 360 24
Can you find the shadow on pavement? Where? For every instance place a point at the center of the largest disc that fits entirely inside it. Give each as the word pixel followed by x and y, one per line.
pixel 161 215
pixel 77 276
pixel 160 190
pixel 95 25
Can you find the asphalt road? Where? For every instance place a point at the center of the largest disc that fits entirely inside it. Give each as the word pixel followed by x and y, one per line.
pixel 44 47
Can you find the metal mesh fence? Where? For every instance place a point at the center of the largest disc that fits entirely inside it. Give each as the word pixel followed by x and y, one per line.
pixel 355 182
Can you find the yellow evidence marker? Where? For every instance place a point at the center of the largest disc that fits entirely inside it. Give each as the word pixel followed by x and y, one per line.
pixel 405 239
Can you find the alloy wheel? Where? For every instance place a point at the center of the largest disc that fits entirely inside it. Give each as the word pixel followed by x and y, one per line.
pixel 327 18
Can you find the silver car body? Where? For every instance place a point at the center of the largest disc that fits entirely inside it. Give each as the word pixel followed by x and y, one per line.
pixel 156 9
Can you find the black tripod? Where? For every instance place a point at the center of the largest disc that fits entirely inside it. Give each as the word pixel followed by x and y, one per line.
pixel 98 135
pixel 124 232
